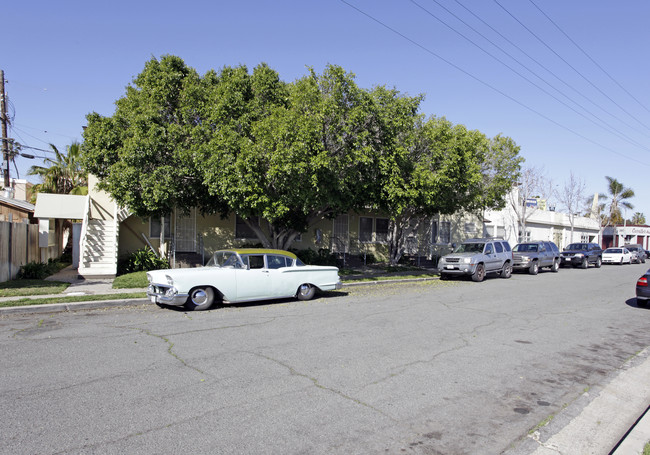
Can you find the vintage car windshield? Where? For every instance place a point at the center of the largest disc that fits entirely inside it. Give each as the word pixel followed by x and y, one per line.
pixel 523 248
pixel 577 246
pixel 469 248
pixel 224 259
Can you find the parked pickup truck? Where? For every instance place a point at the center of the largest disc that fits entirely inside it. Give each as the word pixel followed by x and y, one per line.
pixel 532 256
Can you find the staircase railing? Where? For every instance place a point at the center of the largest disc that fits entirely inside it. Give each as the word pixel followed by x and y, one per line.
pixel 84 230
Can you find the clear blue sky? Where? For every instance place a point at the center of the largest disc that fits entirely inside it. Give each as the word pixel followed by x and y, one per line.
pixel 65 59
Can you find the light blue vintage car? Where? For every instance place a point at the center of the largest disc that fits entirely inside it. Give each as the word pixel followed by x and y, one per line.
pixel 241 275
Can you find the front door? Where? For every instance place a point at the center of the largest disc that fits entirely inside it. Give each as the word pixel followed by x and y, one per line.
pixel 186 232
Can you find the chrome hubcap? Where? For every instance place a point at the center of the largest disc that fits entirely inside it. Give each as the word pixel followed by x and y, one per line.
pixel 199 297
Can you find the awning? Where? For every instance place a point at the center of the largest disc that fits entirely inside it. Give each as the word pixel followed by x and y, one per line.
pixel 66 206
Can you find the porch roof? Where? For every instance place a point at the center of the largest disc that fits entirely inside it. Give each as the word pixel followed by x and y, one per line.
pixel 66 206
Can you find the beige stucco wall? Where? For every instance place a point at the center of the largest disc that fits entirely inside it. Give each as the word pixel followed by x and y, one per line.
pixel 102 207
pixel 218 233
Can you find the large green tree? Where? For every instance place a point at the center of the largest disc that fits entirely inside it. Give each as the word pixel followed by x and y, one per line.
pixel 283 156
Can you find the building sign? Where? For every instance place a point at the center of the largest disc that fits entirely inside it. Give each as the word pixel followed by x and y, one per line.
pixel 531 202
pixel 536 203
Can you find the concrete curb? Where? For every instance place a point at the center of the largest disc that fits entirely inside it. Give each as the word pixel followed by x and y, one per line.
pixel 609 421
pixel 72 306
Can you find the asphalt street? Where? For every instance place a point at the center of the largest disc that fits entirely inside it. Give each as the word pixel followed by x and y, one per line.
pixel 434 367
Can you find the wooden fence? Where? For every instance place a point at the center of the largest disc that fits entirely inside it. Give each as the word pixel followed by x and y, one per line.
pixel 18 246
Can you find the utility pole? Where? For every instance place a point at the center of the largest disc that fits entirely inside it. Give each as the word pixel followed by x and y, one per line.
pixel 3 120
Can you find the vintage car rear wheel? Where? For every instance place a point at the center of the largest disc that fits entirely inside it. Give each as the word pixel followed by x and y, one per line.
pixel 200 299
pixel 306 292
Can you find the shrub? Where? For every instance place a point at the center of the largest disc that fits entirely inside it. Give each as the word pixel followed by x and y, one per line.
pixel 141 260
pixel 33 271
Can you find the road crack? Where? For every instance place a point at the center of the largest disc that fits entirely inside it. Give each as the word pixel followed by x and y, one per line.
pixel 317 384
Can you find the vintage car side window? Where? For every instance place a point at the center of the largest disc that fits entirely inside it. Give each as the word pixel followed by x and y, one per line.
pixel 299 263
pixel 254 261
pixel 488 248
pixel 276 262
pixel 498 247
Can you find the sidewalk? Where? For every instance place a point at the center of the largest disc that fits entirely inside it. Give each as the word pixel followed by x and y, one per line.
pixel 78 287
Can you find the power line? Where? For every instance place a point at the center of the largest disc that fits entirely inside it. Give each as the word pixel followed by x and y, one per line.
pixel 589 56
pixel 575 90
pixel 477 79
pixel 604 125
pixel 570 65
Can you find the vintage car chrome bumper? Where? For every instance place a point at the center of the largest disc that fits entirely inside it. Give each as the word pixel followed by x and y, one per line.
pixel 168 295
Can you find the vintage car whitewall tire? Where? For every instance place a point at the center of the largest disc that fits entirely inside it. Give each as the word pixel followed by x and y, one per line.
pixel 306 292
pixel 200 299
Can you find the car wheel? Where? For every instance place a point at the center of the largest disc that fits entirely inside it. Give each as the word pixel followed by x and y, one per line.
pixel 584 264
pixel 200 299
pixel 306 292
pixel 534 268
pixel 643 261
pixel 506 271
pixel 555 267
pixel 599 262
pixel 479 273
pixel 444 276
pixel 621 263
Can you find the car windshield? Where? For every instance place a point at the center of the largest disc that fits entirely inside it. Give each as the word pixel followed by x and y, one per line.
pixel 577 246
pixel 224 259
pixel 523 248
pixel 469 248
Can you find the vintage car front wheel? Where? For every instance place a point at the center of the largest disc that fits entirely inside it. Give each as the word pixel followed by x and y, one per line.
pixel 306 292
pixel 200 299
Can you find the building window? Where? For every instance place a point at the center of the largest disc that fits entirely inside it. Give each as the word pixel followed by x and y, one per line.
pixel 445 232
pixel 242 230
pixel 501 232
pixel 154 227
pixel 365 229
pixel 381 230
pixel 470 228
pixel 434 232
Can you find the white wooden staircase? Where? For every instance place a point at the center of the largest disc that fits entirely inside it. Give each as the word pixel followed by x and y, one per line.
pixel 99 244
pixel 99 253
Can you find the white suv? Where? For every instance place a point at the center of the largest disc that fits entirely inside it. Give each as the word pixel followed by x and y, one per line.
pixel 476 257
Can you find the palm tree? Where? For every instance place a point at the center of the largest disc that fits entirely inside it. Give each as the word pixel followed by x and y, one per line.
pixel 616 198
pixel 63 175
pixel 638 218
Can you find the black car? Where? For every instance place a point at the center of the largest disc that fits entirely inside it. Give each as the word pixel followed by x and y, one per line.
pixel 643 290
pixel 581 255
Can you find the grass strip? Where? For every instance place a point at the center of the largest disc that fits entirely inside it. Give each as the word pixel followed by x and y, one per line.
pixel 131 281
pixel 388 278
pixel 73 299
pixel 16 288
